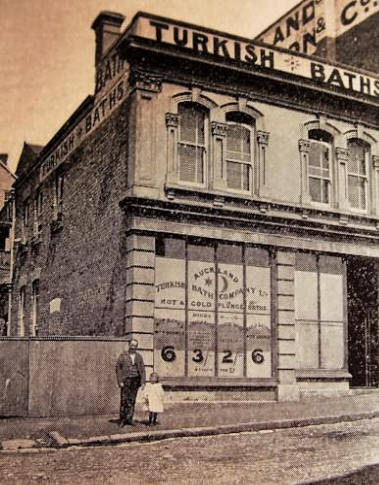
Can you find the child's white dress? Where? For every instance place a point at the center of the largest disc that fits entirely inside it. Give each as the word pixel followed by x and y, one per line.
pixel 153 397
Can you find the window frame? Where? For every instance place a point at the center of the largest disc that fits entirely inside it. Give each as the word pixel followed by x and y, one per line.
pixel 356 175
pixel 260 258
pixel 319 261
pixel 330 179
pixel 205 147
pixel 250 128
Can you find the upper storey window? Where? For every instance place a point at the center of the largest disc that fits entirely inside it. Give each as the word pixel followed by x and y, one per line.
pixel 319 166
pixel 357 173
pixel 192 143
pixel 239 143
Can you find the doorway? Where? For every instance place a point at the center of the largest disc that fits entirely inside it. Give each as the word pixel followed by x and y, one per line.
pixel 362 313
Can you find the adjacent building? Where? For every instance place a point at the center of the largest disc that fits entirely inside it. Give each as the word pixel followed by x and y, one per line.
pixel 216 198
pixel 339 30
pixel 6 180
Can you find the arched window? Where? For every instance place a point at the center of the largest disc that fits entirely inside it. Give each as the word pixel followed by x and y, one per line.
pixel 239 151
pixel 320 166
pixel 357 173
pixel 192 142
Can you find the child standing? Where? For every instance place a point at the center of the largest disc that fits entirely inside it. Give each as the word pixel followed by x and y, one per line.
pixel 153 398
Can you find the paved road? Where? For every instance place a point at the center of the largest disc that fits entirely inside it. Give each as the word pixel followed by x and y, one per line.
pixel 279 457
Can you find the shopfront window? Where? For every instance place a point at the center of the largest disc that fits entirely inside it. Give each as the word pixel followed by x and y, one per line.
pixel 212 310
pixel 319 311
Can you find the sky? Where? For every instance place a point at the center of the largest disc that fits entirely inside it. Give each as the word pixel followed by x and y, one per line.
pixel 47 51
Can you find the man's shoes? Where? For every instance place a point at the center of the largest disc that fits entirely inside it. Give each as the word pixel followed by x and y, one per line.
pixel 125 422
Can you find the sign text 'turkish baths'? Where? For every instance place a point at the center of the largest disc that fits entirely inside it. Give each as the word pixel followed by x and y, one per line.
pixel 252 55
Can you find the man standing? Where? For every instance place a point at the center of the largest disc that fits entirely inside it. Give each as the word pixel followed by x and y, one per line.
pixel 130 372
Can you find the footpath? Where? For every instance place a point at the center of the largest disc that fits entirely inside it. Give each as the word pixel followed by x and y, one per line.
pixel 184 419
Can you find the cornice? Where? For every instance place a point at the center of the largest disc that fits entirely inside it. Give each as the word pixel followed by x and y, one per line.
pixel 283 219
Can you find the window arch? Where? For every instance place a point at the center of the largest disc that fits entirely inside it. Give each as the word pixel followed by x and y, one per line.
pixel 239 154
pixel 192 142
pixel 357 173
pixel 320 173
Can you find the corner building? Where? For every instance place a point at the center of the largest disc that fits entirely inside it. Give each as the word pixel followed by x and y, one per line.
pixel 218 200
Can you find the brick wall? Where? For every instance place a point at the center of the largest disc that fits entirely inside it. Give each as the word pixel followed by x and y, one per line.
pixel 83 264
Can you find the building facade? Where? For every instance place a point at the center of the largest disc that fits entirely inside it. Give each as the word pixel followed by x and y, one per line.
pixel 217 199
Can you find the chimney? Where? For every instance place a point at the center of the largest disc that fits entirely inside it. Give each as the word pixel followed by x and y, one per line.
pixel 4 158
pixel 107 27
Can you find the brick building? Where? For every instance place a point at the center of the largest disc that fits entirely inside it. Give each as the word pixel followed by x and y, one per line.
pixel 339 30
pixel 6 181
pixel 217 199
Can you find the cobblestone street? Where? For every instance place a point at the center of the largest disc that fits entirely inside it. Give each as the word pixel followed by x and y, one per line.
pixel 280 457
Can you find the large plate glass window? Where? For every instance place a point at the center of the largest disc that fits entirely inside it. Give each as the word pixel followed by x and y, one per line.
pixel 212 310
pixel 319 311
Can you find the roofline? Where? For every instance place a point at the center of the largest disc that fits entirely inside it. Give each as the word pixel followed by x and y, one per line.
pixel 2 164
pixel 54 141
pixel 70 122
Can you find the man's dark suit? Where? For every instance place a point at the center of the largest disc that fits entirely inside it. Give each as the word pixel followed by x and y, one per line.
pixel 129 377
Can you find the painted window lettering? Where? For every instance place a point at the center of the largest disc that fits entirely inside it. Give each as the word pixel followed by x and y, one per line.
pixel 198 356
pixel 224 315
pixel 257 356
pixel 227 359
pixel 168 353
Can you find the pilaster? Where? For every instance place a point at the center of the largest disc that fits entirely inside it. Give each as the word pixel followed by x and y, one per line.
pixel 304 147
pixel 172 125
pixel 260 175
pixel 341 159
pixel 375 185
pixel 219 133
pixel 139 293
pixel 288 389
pixel 144 87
